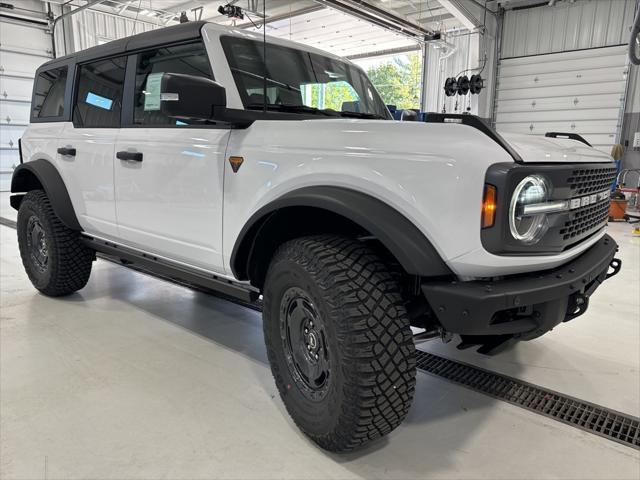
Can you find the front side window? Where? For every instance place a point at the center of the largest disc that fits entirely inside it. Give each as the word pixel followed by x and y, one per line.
pixel 48 96
pixel 300 81
pixel 99 94
pixel 189 59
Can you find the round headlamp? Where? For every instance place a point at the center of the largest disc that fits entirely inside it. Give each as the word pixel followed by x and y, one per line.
pixel 526 227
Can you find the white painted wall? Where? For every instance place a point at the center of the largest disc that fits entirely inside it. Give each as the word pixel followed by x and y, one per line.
pixel 467 60
pixel 440 68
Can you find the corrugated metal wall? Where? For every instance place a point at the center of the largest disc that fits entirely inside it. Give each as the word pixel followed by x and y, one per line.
pixel 465 57
pixel 90 28
pixel 566 26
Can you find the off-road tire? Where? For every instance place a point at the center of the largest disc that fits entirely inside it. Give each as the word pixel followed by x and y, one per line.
pixel 368 338
pixel 68 264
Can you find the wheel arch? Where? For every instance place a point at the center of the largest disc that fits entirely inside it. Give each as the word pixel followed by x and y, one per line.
pixel 330 209
pixel 42 174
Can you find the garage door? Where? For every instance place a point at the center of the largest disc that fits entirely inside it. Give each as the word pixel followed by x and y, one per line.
pixel 23 48
pixel 580 91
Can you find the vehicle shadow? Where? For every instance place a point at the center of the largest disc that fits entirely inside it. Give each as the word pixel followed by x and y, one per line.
pixel 441 421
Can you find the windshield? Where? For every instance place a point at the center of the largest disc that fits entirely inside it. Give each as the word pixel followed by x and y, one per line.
pixel 300 81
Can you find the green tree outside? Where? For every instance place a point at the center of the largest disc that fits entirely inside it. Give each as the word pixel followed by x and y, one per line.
pixel 398 80
pixel 331 95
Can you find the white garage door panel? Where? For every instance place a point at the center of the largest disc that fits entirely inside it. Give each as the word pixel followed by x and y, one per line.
pixel 558 115
pixel 584 127
pixel 9 159
pixel 16 64
pixel 584 77
pixel 564 91
pixel 557 103
pixel 590 55
pixel 563 66
pixel 10 135
pixel 575 92
pixel 25 37
pixel 14 112
pixel 23 48
pixel 16 88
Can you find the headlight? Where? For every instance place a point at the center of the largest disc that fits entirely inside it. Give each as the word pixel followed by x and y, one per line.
pixel 527 227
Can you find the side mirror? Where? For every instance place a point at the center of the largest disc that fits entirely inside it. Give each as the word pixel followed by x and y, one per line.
pixel 191 98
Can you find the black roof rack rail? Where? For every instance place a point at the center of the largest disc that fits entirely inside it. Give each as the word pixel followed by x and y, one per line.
pixel 475 122
pixel 572 136
pixel 162 36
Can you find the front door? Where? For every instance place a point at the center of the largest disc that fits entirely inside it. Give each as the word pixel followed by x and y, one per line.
pixel 169 173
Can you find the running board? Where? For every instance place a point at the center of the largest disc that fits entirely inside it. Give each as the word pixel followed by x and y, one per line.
pixel 165 268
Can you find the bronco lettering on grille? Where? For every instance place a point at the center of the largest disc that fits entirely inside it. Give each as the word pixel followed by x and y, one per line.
pixel 588 199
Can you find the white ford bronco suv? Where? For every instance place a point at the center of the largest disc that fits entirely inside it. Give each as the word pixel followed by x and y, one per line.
pixel 185 152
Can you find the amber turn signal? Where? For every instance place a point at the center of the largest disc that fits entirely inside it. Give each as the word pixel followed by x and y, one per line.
pixel 489 206
pixel 235 163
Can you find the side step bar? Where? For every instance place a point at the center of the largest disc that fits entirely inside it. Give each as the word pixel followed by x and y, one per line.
pixel 162 267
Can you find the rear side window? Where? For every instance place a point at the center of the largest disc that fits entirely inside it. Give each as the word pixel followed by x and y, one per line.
pixel 189 59
pixel 99 94
pixel 48 96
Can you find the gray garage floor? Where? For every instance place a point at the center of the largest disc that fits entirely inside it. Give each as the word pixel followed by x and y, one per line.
pixel 135 377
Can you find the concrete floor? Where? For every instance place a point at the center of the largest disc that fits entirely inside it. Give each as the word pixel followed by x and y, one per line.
pixel 134 377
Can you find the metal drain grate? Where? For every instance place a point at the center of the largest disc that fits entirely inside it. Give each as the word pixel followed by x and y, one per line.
pixel 607 423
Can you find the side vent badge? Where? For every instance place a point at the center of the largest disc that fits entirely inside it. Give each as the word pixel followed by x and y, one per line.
pixel 236 162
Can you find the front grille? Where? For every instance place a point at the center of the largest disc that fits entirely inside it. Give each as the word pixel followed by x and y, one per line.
pixel 581 184
pixel 585 219
pixel 584 181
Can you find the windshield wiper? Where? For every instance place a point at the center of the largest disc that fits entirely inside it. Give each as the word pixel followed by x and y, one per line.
pixel 285 107
pixel 363 115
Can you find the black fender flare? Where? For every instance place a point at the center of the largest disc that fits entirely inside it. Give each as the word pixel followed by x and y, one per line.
pixel 49 178
pixel 398 234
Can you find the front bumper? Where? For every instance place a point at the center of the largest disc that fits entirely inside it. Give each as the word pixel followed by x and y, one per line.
pixel 523 306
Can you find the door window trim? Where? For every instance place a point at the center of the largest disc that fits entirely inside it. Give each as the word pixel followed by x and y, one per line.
pixel 128 97
pixel 68 92
pixel 76 81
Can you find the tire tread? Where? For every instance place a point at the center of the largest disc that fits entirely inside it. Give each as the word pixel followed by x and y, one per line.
pixel 378 359
pixel 71 260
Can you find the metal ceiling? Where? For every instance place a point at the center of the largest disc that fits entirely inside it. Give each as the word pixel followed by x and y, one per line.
pixel 305 21
pixel 339 33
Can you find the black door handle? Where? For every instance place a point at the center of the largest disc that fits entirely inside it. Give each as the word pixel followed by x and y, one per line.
pixel 70 152
pixel 133 156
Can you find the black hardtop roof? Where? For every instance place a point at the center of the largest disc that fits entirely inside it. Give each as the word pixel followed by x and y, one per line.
pixel 162 36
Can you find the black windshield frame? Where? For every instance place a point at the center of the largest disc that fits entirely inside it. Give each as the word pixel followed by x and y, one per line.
pixel 308 68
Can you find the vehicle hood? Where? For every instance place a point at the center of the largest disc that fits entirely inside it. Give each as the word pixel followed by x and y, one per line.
pixel 537 149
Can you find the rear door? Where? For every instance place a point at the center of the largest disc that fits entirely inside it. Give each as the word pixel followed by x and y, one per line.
pixel 169 179
pixel 86 149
